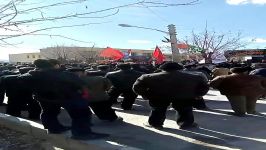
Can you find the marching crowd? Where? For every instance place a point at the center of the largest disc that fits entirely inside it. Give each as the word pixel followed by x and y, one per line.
pixel 46 86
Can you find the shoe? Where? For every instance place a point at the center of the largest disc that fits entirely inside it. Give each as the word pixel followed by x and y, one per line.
pixel 188 126
pixel 118 119
pixel 126 108
pixel 254 113
pixel 3 104
pixel 239 114
pixel 35 118
pixel 59 130
pixel 159 127
pixel 202 108
pixel 90 136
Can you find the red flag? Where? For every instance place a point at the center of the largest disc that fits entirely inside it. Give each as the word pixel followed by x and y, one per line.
pixel 158 55
pixel 112 53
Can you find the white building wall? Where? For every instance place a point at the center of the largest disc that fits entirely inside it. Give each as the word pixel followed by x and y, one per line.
pixel 73 53
pixel 24 57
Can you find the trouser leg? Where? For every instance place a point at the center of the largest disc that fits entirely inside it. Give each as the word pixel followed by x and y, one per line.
pixel 34 109
pixel 103 110
pixel 158 113
pixel 80 114
pixel 251 104
pixel 114 94
pixel 238 104
pixel 2 96
pixel 199 103
pixel 49 114
pixel 185 112
pixel 15 106
pixel 129 99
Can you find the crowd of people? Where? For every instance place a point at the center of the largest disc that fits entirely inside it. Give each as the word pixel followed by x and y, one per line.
pixel 46 86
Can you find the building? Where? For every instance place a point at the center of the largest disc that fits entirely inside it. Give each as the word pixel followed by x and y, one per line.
pixel 80 54
pixel 89 54
pixel 254 55
pixel 23 58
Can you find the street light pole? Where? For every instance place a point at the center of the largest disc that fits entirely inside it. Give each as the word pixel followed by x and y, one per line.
pixel 171 32
pixel 127 25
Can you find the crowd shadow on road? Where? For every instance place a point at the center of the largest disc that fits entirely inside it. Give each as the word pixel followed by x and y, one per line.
pixel 218 126
pixel 218 129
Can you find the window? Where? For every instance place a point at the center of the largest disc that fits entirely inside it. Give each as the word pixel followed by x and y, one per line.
pixel 33 56
pixel 39 56
pixel 28 56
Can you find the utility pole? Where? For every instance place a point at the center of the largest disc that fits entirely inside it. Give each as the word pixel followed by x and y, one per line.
pixel 173 40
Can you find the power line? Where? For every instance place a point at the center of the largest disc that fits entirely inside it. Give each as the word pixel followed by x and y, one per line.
pixel 157 15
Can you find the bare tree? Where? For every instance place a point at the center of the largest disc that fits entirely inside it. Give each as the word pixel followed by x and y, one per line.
pixel 212 44
pixel 60 53
pixel 90 55
pixel 16 14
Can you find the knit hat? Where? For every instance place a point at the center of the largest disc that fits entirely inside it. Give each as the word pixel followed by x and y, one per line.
pixel 171 66
pixel 23 70
pixel 54 62
pixel 103 67
pixel 124 66
pixel 239 69
pixel 75 69
pixel 42 64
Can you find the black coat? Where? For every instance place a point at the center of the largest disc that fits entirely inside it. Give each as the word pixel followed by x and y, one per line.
pixel 14 87
pixel 259 72
pixel 171 85
pixel 123 79
pixel 54 85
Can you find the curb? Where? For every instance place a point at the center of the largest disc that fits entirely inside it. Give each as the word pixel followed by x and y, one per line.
pixel 59 140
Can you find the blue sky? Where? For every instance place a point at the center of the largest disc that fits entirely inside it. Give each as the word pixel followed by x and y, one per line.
pixel 247 16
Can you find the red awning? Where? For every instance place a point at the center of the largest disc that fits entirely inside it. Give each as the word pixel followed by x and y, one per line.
pixel 182 46
pixel 111 53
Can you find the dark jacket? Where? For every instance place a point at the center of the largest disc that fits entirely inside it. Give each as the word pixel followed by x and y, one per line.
pixel 240 85
pixel 123 79
pixel 97 87
pixel 259 72
pixel 54 85
pixel 14 87
pixel 173 85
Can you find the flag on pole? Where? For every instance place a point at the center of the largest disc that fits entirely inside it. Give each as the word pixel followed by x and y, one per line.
pixel 111 53
pixel 158 55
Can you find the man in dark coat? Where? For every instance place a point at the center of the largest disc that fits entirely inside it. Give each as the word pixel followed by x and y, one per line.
pixel 98 97
pixel 54 89
pixel 19 95
pixel 171 86
pixel 122 82
pixel 199 102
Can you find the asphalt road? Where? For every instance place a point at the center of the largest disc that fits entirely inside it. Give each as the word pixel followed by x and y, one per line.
pixel 218 128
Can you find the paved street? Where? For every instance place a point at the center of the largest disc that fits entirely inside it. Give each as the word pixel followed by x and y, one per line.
pixel 218 128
